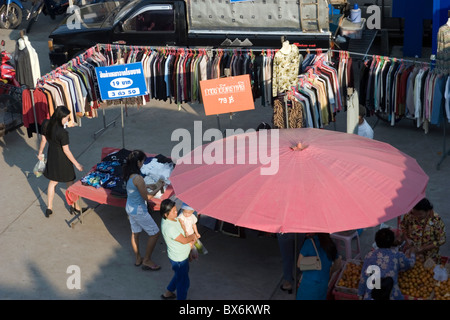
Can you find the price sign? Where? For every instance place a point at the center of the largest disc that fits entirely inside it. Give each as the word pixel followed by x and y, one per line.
pixel 121 81
pixel 226 95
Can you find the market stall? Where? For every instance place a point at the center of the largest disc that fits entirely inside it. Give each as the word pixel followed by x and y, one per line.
pixel 425 281
pixel 104 194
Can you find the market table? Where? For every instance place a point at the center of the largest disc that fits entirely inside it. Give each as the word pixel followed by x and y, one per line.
pixel 416 283
pixel 103 195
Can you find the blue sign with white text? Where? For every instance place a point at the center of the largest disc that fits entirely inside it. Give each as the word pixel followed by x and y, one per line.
pixel 121 81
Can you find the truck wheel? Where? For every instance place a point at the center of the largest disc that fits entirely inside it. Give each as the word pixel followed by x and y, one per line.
pixel 14 18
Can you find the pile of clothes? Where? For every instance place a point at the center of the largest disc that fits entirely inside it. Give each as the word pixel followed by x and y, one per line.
pixel 109 174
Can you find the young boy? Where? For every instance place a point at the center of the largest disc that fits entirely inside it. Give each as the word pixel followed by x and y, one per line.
pixel 364 129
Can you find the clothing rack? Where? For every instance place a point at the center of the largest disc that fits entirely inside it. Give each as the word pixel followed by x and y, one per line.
pixel 431 63
pixel 364 55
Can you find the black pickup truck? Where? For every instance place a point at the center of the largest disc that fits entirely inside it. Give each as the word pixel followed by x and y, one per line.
pixel 191 23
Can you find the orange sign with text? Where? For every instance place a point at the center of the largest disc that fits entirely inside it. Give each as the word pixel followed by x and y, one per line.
pixel 224 95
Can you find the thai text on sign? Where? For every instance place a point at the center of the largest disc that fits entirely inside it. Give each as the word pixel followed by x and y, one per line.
pixel 225 95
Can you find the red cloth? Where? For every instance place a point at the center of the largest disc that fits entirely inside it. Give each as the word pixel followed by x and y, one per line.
pixel 27 108
pixel 40 106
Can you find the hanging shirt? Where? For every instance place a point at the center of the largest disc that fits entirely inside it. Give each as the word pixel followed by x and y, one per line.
pixel 285 70
pixel 443 49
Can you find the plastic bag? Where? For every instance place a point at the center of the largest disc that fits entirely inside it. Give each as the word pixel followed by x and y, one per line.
pixel 39 168
pixel 200 247
pixel 440 273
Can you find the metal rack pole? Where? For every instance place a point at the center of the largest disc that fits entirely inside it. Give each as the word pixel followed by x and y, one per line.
pixel 445 152
pixel 105 126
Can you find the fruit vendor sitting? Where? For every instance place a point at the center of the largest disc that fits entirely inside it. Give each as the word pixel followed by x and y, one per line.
pixel 423 229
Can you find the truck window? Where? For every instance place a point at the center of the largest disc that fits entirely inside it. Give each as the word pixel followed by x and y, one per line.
pixel 151 18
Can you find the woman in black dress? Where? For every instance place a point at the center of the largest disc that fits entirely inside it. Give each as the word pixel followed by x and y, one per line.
pixel 60 161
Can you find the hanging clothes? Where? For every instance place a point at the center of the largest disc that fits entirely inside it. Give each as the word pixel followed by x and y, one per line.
pixel 34 114
pixel 316 96
pixel 285 69
pixel 353 112
pixel 443 49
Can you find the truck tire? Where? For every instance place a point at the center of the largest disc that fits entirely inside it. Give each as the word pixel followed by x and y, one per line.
pixel 14 18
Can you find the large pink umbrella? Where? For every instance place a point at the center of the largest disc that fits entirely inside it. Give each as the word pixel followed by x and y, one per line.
pixel 330 182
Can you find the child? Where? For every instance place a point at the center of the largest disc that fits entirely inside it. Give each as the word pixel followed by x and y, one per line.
pixel 189 223
pixel 364 129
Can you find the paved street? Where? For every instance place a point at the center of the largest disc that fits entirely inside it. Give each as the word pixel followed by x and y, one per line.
pixel 36 252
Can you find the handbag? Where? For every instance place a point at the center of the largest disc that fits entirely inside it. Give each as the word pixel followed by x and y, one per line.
pixel 312 262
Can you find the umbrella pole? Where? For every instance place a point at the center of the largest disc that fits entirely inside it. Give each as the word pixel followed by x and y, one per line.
pixel 286 111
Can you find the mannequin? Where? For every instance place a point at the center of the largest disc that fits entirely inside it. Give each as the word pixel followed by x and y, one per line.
pixel 286 48
pixel 285 67
pixel 443 48
pixel 21 44
pixel 35 67
pixel 22 63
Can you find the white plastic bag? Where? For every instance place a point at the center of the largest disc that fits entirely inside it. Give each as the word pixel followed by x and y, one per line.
pixel 200 247
pixel 39 168
pixel 440 273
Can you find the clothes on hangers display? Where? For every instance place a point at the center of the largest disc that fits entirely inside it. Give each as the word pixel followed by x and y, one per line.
pixel 40 110
pixel 402 88
pixel 72 86
pixel 344 65
pixel 174 74
pixel 315 99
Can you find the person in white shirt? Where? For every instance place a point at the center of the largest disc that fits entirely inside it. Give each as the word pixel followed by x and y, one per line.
pixel 364 129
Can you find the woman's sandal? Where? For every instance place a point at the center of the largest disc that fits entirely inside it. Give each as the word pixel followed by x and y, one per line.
pixel 151 268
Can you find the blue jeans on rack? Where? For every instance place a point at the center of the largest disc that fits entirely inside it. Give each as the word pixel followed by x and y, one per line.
pixel 180 281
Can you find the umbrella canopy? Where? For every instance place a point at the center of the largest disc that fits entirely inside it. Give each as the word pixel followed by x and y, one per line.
pixel 299 180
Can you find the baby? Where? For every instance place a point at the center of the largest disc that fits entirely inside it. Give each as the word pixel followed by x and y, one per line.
pixel 189 223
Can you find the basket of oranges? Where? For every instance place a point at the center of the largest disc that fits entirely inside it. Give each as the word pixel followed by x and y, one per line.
pixel 442 287
pixel 442 290
pixel 417 283
pixel 349 277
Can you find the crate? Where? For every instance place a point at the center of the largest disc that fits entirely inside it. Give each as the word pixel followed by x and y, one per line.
pixel 352 30
pixel 345 290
